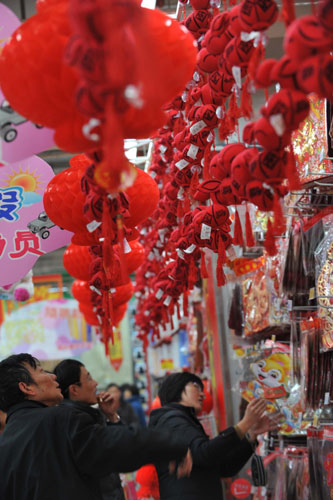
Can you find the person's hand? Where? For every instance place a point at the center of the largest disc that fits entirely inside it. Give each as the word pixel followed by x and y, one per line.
pixel 266 423
pixel 107 405
pixel 255 410
pixel 185 466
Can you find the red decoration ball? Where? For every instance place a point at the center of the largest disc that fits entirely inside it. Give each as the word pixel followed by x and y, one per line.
pixel 315 74
pixel 305 37
pixel 206 61
pixel 257 16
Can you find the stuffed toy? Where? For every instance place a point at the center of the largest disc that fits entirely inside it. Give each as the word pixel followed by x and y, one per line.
pixel 20 291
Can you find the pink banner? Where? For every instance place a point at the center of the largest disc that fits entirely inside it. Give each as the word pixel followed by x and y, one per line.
pixel 26 232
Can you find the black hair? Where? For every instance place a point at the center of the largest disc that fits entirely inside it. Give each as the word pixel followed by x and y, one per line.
pixel 112 385
pixel 13 371
pixel 130 387
pixel 173 385
pixel 68 372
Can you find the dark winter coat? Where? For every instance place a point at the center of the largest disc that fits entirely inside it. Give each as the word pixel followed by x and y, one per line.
pixel 222 456
pixel 60 453
pixel 135 402
pixel 110 485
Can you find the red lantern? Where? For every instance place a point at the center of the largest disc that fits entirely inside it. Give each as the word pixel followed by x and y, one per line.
pixel 63 200
pixel 119 312
pixel 122 294
pixel 81 291
pixel 143 198
pixel 77 260
pixel 136 257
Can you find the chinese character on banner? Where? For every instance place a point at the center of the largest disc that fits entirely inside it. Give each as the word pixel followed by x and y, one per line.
pixel 26 230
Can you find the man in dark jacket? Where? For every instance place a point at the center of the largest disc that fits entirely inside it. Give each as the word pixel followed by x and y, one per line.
pixel 181 396
pixel 52 452
pixel 79 390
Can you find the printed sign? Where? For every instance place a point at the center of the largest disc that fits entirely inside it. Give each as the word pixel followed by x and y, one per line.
pixel 241 488
pixel 19 137
pixel 26 232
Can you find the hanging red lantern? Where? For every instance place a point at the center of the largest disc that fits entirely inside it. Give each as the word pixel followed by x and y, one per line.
pixel 37 48
pixel 77 260
pixel 143 197
pixel 122 294
pixel 135 258
pixel 81 291
pixel 63 200
pixel 119 312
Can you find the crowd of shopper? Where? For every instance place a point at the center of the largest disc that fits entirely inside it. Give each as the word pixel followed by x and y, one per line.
pixel 64 441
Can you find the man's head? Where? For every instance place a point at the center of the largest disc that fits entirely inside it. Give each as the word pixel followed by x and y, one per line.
pixel 115 392
pixel 184 388
pixel 22 378
pixel 76 382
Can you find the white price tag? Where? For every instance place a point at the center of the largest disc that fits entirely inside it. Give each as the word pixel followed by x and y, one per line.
pixel 190 249
pixel 236 73
pixel 206 231
pixel 167 300
pixel 327 398
pixel 197 127
pixel 181 164
pixel 180 253
pixel 193 151
pixel 159 294
pixel 94 224
pixel 163 149
pixel 127 248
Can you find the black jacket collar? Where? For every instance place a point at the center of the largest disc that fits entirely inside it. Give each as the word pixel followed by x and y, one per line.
pixel 24 405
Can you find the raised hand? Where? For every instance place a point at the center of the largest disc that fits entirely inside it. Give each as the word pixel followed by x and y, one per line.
pixel 107 405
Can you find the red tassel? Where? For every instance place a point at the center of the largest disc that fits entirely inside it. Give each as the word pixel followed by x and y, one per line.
pixel 279 225
pixel 256 59
pixel 203 268
pixel 248 229
pixel 194 183
pixel 233 112
pixel 108 255
pixel 292 172
pixel 187 204
pixel 180 209
pixel 288 12
pixel 192 274
pixel 207 158
pixel 238 232
pixel 270 245
pixel 178 311
pixel 185 303
pixel 221 259
pixel 246 100
pixel 120 233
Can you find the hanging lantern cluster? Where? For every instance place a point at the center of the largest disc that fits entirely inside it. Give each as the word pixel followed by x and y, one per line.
pixel 198 184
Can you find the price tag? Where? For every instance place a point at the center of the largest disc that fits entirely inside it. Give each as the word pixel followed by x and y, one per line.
pixel 190 249
pixel 197 127
pixel 127 248
pixel 205 232
pixel 312 293
pixel 94 224
pixel 167 300
pixel 327 398
pixel 181 164
pixel 159 294
pixel 193 151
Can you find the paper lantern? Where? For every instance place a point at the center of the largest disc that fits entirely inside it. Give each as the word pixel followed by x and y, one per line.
pixel 143 197
pixel 136 257
pixel 77 260
pixel 81 291
pixel 122 294
pixel 63 200
pixel 47 97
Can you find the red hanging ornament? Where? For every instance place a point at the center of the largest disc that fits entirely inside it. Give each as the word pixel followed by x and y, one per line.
pixel 248 229
pixel 77 260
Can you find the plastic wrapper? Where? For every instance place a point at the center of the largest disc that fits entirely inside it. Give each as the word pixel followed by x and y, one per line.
pixel 256 303
pixel 292 475
pixel 324 288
